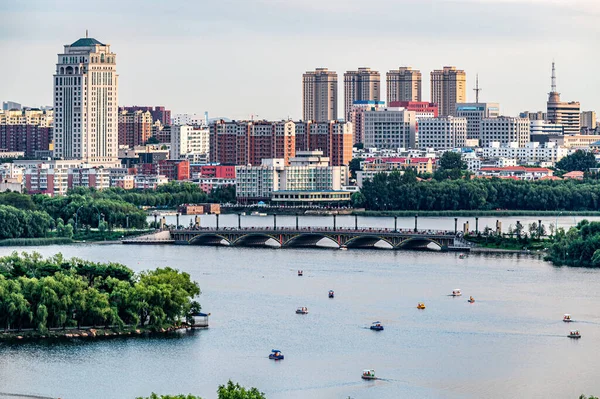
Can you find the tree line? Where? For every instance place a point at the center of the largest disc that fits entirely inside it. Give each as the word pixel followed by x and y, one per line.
pixel 43 293
pixel 579 246
pixel 405 192
pixel 228 391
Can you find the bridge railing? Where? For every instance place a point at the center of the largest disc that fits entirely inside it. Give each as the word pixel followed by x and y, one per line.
pixel 271 229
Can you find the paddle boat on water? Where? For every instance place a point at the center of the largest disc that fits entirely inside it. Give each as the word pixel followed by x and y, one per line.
pixel 420 305
pixel 471 300
pixel 343 248
pixel 456 292
pixel 300 273
pixel 461 256
pixel 276 355
pixel 574 334
pixel 567 318
pixel 331 294
pixel 368 375
pixel 376 325
pixel 302 310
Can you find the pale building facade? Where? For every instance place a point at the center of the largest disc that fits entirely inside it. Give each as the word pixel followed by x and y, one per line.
pixel 403 84
pixel 319 95
pixel 505 130
pixel 530 154
pixel 86 103
pixel 189 142
pixel 474 113
pixel 562 113
pixel 390 128
pixel 587 120
pixel 448 87
pixel 443 133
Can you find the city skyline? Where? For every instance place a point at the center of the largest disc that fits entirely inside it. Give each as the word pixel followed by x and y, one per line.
pixel 205 83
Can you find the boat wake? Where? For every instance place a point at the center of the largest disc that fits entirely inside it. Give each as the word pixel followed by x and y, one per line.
pixel 24 396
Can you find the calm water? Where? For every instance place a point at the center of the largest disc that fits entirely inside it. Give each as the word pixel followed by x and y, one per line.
pixel 510 343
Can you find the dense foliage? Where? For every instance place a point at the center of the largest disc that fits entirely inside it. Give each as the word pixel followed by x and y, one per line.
pixel 579 246
pixel 56 292
pixel 16 223
pixel 404 192
pixel 229 391
pixel 579 160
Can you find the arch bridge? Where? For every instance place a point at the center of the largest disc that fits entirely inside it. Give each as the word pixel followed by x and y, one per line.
pixel 310 237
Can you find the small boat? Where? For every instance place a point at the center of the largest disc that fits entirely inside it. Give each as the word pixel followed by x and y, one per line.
pixel 276 355
pixel 254 213
pixel 300 272
pixel 456 292
pixel 567 318
pixel 574 334
pixel 302 310
pixel 368 375
pixel 376 326
pixel 471 300
pixel 343 248
pixel 461 256
pixel 331 294
pixel 262 214
pixel 420 305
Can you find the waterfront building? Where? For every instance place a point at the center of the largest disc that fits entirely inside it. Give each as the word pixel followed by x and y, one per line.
pixel 361 85
pixel 207 184
pixel 403 84
pixel 135 127
pixel 515 172
pixel 370 167
pixel 320 95
pixel 474 113
pixel 29 131
pixel 190 142
pixel 98 178
pixel 505 130
pixel 158 113
pixel 448 87
pixel 562 113
pixel 85 103
pixel 442 133
pixel 390 128
pixel 311 198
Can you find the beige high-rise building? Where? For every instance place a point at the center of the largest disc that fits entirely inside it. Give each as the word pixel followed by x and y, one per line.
pixel 361 85
pixel 319 95
pixel 587 120
pixel 85 103
pixel 448 87
pixel 403 84
pixel 562 113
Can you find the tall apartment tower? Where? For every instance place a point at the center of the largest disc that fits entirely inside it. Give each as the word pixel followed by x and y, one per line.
pixel 403 84
pixel 361 85
pixel 562 113
pixel 448 87
pixel 86 103
pixel 319 95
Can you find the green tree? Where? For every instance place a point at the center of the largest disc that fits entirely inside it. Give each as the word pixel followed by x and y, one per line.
pixel 152 140
pixel 579 160
pixel 354 166
pixel 235 391
pixel 452 160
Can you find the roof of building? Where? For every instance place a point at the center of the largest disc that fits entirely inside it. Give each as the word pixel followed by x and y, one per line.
pixel 86 42
pixel 575 173
pixel 513 169
pixel 399 160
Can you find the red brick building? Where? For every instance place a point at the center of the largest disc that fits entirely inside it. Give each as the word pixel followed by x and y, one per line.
pixel 174 169
pixel 135 127
pixel 216 171
pixel 27 131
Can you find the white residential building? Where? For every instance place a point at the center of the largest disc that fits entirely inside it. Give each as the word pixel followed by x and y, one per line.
pixel 472 160
pixel 505 130
pixel 142 182
pixel 86 103
pixel 442 133
pixel 254 183
pixel 189 119
pixel 390 128
pixel 532 153
pixel 190 142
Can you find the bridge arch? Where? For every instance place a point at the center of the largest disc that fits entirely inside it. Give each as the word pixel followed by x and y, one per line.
pixel 367 241
pixel 255 240
pixel 309 240
pixel 418 243
pixel 210 239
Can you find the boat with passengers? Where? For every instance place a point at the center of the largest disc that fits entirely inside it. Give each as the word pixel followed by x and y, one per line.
pixel 376 325
pixel 567 318
pixel 456 292
pixel 302 310
pixel 276 355
pixel 574 334
pixel 331 294
pixel 368 375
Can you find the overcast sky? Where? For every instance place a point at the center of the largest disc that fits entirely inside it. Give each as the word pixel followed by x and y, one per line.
pixel 234 58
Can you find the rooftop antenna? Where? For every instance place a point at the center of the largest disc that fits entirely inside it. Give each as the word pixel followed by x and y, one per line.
pixel 86 33
pixel 477 89
pixel 553 78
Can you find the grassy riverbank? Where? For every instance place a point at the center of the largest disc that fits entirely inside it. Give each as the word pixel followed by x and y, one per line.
pixel 492 213
pixel 510 244
pixel 81 236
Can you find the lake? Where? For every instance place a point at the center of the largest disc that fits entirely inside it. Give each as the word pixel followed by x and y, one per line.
pixel 510 343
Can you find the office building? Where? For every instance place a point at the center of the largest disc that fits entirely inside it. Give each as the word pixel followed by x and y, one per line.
pixel 562 113
pixel 361 85
pixel 403 84
pixel 474 113
pixel 135 127
pixel 356 117
pixel 448 87
pixel 390 128
pixel 504 130
pixel 443 133
pixel 320 95
pixel 85 103
pixel 11 105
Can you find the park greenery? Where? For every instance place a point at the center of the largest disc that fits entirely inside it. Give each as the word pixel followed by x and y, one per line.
pixel 579 160
pixel 41 294
pixel 579 246
pixel 228 391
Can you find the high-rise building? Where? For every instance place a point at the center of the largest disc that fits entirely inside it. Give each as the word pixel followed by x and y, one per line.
pixel 159 113
pixel 86 103
pixel 403 84
pixel 319 95
pixel 27 131
pixel 11 105
pixel 587 120
pixel 189 142
pixel 448 87
pixel 361 85
pixel 135 127
pixel 474 113
pixel 562 113
pixel 504 130
pixel 443 133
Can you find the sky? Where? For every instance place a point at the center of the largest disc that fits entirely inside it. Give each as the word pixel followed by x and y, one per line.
pixel 237 58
